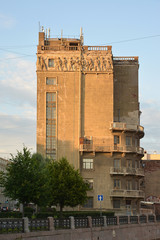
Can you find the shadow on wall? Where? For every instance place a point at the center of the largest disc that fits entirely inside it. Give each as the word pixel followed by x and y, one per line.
pixel 64 149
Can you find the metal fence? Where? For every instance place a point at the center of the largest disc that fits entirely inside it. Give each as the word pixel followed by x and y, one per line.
pixel 81 222
pixel 62 223
pixel 11 225
pixel 111 221
pixel 158 218
pixel 97 222
pixel 38 225
pixel 19 225
pixel 123 220
pixel 143 219
pixel 133 219
pixel 151 218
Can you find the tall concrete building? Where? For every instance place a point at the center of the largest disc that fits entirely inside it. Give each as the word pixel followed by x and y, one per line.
pixel 88 111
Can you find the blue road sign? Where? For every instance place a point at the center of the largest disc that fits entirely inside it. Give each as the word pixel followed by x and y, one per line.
pixel 100 197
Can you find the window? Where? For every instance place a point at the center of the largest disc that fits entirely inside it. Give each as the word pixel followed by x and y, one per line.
pixel 50 154
pixel 51 112
pixel 136 185
pixel 136 142
pixel 128 141
pixel 136 164
pixel 51 81
pixel 116 164
pixel 90 182
pixel 51 125
pixel 51 130
pixel 50 62
pixel 129 163
pixel 87 163
pixel 128 202
pixel 51 97
pixel 129 185
pixel 116 203
pixel 117 184
pixel 116 139
pixel 89 203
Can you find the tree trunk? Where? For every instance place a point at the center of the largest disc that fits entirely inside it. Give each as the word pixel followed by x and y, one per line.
pixel 61 210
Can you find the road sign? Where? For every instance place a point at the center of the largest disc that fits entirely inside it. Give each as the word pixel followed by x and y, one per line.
pixel 100 197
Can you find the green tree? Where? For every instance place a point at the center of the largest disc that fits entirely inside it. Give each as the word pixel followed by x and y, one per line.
pixel 25 178
pixel 67 187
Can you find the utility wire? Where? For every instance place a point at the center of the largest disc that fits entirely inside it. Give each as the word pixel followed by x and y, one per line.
pixel 23 54
pixel 13 52
pixel 18 46
pixel 27 55
pixel 133 39
pixel 3 59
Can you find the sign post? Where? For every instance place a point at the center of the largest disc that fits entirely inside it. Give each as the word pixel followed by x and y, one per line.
pixel 100 199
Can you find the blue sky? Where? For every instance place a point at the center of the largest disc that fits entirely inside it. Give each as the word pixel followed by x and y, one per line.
pixel 131 27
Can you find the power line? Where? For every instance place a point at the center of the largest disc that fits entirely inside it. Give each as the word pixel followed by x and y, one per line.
pixel 23 54
pixel 18 46
pixel 27 55
pixel 133 39
pixel 10 58
pixel 126 40
pixel 13 52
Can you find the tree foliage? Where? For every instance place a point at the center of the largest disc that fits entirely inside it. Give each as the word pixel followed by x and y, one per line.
pixel 25 178
pixel 32 178
pixel 67 187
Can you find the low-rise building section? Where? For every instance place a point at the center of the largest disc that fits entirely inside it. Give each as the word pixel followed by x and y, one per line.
pixel 5 201
pixel 151 165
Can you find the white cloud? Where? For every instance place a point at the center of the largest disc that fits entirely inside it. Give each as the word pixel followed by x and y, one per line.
pixel 17 105
pixel 6 21
pixel 18 82
pixel 14 132
pixel 150 119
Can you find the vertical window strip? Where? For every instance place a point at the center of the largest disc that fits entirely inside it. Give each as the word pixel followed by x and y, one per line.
pixel 51 125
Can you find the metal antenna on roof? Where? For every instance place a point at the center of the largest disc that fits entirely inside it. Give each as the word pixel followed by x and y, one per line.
pixel 61 35
pixel 46 33
pixel 81 32
pixel 49 32
pixel 81 36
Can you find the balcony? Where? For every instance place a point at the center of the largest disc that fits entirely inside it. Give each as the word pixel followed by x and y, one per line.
pixel 127 193
pixel 127 171
pixel 103 148
pixel 60 47
pixel 97 48
pixel 120 126
pixel 117 59
pixel 77 47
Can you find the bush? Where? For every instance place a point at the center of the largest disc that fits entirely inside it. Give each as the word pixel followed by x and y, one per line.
pixel 28 214
pixel 46 209
pixel 28 210
pixel 85 214
pixel 73 213
pixel 10 215
pixel 44 215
